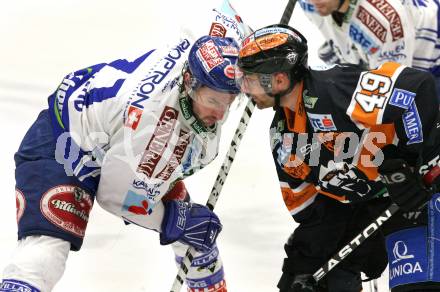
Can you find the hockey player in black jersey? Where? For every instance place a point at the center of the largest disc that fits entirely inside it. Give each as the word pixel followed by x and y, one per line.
pixel 346 144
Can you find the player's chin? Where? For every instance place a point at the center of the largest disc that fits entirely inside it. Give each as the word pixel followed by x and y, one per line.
pixel 323 11
pixel 209 121
pixel 261 105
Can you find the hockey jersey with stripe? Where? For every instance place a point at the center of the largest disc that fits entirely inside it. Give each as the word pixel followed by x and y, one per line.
pixel 125 131
pixel 343 116
pixel 376 31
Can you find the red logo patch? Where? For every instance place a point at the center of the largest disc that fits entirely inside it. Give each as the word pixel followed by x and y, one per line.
pixel 68 207
pixel 229 51
pixel 388 11
pixel 247 40
pixel 176 158
pixel 133 117
pixel 327 122
pixel 372 23
pixel 140 210
pixel 209 55
pixel 20 203
pixel 229 71
pixel 158 142
pixel 217 30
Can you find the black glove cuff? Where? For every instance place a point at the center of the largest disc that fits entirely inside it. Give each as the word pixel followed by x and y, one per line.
pixel 404 186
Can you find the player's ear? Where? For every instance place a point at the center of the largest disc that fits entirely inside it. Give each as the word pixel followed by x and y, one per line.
pixel 187 79
pixel 281 80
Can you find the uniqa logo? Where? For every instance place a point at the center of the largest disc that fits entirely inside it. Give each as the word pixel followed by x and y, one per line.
pixel 400 252
pixel 405 269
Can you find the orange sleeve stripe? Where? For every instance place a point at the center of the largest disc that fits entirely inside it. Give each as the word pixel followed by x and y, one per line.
pixel 293 199
pixel 387 69
pixel 333 196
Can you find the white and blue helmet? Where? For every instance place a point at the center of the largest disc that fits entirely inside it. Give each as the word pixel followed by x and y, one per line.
pixel 212 62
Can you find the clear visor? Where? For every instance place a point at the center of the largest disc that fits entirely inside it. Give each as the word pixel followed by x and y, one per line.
pixel 252 83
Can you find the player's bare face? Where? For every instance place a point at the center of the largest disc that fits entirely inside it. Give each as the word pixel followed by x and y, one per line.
pixel 250 85
pixel 210 105
pixel 325 7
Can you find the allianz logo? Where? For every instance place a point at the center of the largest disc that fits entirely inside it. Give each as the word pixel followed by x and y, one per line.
pixel 400 253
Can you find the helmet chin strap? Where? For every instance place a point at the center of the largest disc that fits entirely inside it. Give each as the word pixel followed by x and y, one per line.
pixel 277 96
pixel 266 82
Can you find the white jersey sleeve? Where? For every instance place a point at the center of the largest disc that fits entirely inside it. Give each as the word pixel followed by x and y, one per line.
pixel 124 131
pixel 342 46
pixel 426 18
pixel 374 31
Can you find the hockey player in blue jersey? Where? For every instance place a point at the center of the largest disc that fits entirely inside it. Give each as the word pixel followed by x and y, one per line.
pixel 126 133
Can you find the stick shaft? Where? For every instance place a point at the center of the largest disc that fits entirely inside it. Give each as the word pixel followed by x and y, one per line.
pixel 224 170
pixel 288 12
pixel 356 242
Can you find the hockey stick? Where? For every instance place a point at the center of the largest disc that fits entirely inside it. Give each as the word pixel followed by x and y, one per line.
pixel 287 14
pixel 224 170
pixel 355 242
pixel 428 179
pixel 247 114
pixel 216 189
pixel 373 286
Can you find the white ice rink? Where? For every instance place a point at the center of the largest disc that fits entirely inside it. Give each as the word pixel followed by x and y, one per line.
pixel 40 42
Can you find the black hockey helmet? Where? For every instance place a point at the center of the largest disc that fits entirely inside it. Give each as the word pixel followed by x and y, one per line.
pixel 274 48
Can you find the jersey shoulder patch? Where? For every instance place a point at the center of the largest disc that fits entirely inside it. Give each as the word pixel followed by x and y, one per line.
pixel 372 94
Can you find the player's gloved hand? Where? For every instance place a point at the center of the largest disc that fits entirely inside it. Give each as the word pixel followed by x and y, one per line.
pixel 297 283
pixel 405 187
pixel 327 53
pixel 190 223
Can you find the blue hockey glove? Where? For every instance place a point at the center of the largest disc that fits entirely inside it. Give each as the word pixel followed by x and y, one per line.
pixel 190 223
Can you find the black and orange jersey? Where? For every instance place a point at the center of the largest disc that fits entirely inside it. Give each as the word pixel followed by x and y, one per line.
pixel 330 144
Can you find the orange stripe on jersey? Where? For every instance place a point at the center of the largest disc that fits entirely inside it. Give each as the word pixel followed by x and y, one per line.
pixel 387 69
pixel 371 94
pixel 366 156
pixel 293 199
pixel 296 121
pixel 333 196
